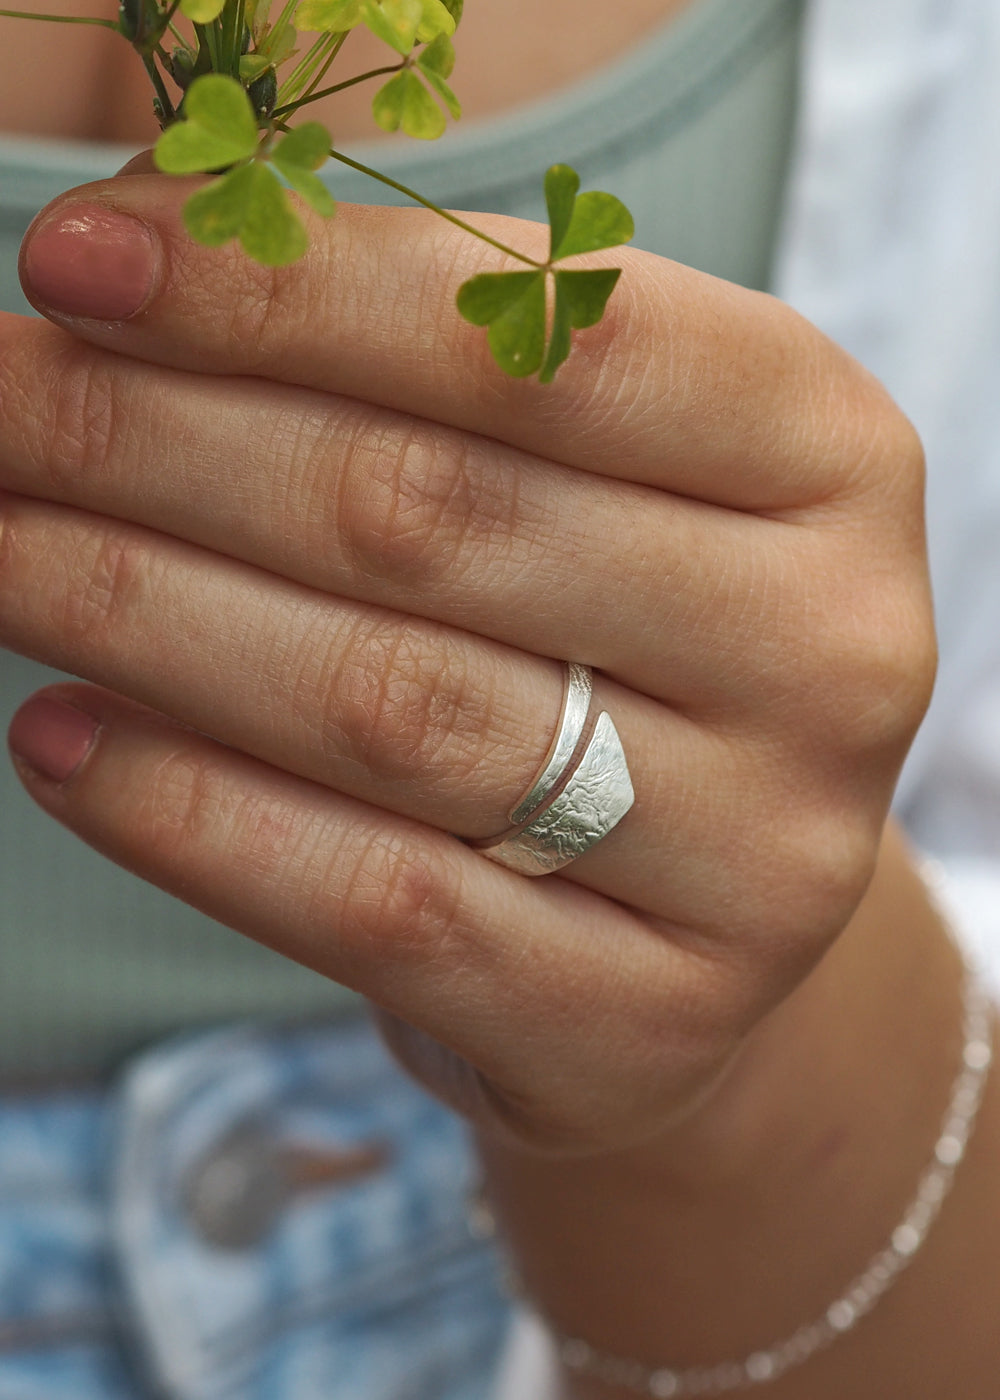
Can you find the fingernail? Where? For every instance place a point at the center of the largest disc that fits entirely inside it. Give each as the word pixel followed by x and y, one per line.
pixel 52 737
pixel 90 261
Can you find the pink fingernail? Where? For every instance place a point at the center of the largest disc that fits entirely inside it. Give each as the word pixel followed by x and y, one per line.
pixel 90 261
pixel 52 737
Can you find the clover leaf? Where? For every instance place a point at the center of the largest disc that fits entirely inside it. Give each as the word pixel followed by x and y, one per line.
pixel 580 300
pixel 301 153
pixel 436 19
pixel 513 304
pixel 395 22
pixel 405 103
pixel 582 223
pixel 218 128
pixel 436 63
pixel 250 204
pixel 330 16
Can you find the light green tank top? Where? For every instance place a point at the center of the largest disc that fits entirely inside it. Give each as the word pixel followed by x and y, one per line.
pixel 693 131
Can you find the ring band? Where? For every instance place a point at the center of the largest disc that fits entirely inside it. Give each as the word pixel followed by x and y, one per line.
pixel 582 790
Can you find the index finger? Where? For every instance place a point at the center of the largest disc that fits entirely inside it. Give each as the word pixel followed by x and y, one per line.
pixel 690 384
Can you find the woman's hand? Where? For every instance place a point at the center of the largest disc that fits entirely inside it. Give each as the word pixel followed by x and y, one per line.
pixel 325 563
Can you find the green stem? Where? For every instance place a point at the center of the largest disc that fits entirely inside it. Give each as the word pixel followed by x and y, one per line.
pixel 338 87
pixel 307 65
pixel 61 19
pixel 435 208
pixel 238 36
pixel 206 38
pixel 322 71
pixel 228 44
pixel 169 115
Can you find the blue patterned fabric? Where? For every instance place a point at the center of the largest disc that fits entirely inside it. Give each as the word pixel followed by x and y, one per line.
pixel 371 1288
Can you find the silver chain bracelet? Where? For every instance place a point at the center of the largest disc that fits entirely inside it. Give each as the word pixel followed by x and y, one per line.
pixel 861 1294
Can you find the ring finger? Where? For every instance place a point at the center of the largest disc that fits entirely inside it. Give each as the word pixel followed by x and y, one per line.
pixel 423 720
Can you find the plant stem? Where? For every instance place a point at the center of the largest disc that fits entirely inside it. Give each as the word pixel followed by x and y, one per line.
pixel 322 71
pixel 236 39
pixel 307 65
pixel 169 115
pixel 61 19
pixel 435 208
pixel 338 87
pixel 206 37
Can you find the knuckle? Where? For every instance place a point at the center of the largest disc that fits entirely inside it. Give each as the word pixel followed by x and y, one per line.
pixel 895 463
pixel 108 582
pixel 883 654
pixel 400 703
pixel 404 897
pixel 183 811
pixel 869 451
pixel 414 499
pixel 81 421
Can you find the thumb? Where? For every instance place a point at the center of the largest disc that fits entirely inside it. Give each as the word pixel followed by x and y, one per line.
pixel 141 164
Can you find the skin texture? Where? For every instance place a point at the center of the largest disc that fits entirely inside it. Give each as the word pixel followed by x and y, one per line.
pixel 706 1062
pixel 364 602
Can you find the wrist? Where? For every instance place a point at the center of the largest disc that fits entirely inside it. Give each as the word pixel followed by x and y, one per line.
pixel 750 1218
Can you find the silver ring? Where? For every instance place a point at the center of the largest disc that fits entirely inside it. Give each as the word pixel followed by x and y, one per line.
pixel 581 791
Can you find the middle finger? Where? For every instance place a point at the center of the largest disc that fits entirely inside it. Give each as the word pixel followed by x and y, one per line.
pixel 381 507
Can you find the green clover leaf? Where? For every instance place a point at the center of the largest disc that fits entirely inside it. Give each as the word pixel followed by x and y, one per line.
pixel 582 223
pixel 435 20
pixel 301 152
pixel 219 128
pixel 250 204
pixel 308 147
pixel 512 305
pixel 438 57
pixel 395 22
pixel 329 16
pixel 405 103
pixel 580 301
pixel 435 64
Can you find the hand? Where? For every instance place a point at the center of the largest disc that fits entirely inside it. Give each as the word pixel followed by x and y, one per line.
pixel 320 557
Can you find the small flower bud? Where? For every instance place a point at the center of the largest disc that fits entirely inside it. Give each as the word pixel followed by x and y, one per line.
pixel 182 62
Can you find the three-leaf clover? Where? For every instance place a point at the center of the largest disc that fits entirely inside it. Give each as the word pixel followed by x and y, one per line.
pixel 513 305
pixel 405 102
pixel 248 202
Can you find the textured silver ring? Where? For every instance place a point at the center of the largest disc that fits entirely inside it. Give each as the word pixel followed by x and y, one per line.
pixel 580 793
